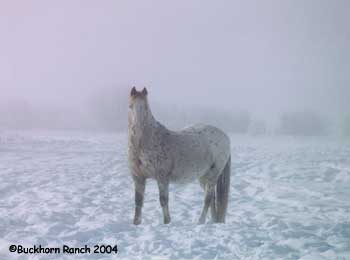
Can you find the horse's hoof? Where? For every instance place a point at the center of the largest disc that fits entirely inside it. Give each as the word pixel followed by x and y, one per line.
pixel 137 221
pixel 201 221
pixel 167 221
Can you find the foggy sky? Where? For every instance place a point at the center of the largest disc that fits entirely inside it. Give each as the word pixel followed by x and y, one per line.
pixel 263 56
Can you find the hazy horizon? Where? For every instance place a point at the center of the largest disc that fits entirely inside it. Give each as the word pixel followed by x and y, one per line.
pixel 263 57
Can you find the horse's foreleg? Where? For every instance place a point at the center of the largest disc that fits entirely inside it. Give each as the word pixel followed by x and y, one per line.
pixel 163 186
pixel 209 194
pixel 140 183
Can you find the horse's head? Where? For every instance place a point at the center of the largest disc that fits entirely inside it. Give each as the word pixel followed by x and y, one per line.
pixel 138 106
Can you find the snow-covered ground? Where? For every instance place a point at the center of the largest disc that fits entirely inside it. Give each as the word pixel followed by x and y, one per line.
pixel 290 199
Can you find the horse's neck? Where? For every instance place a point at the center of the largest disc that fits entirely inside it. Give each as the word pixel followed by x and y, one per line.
pixel 141 135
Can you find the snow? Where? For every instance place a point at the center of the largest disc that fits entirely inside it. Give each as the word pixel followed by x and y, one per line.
pixel 289 200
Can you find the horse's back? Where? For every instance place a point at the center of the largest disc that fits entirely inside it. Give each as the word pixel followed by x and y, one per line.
pixel 216 140
pixel 215 136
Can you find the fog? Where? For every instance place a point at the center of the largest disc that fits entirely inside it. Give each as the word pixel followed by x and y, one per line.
pixel 240 64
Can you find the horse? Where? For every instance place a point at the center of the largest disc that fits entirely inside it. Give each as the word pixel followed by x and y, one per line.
pixel 197 152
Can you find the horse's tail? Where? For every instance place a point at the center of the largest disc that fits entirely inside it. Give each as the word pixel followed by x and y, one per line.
pixel 222 192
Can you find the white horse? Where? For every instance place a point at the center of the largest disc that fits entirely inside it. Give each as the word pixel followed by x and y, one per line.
pixel 197 152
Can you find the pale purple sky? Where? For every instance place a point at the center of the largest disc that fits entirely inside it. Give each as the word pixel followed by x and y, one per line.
pixel 264 56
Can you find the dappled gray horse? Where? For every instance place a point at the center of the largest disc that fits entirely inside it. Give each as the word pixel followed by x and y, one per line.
pixel 197 152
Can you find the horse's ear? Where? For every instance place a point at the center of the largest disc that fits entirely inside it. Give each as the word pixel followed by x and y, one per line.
pixel 133 91
pixel 144 92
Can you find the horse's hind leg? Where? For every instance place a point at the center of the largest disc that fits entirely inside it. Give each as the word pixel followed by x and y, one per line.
pixel 213 209
pixel 163 186
pixel 139 183
pixel 209 195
